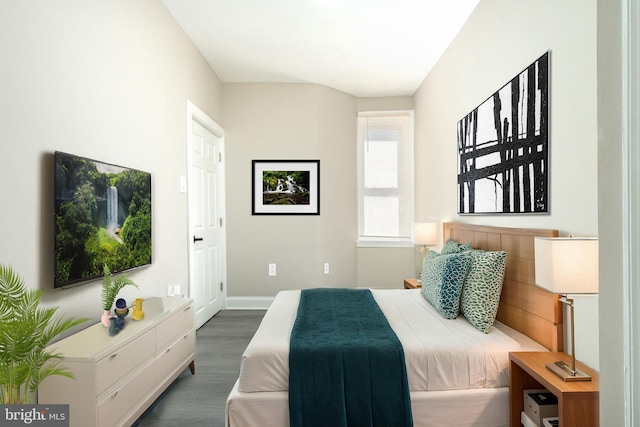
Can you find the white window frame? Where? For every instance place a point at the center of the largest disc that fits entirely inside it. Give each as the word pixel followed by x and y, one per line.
pixel 377 241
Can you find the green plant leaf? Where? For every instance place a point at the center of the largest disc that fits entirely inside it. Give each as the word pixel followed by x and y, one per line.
pixel 25 330
pixel 111 287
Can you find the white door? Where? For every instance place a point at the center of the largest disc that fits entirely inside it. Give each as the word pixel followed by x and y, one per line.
pixel 207 238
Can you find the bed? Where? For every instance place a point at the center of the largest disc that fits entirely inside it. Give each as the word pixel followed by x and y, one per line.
pixel 467 387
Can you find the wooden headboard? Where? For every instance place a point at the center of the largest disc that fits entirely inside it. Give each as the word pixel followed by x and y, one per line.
pixel 523 306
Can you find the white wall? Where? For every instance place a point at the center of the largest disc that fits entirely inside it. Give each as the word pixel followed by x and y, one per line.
pixel 500 39
pixel 295 122
pixel 300 121
pixel 105 80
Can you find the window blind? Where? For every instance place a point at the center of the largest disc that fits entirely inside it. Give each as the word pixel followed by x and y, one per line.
pixel 385 188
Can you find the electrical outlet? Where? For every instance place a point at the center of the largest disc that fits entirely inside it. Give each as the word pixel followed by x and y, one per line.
pixel 326 268
pixel 272 269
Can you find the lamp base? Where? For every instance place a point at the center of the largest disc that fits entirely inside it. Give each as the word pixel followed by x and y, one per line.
pixel 565 372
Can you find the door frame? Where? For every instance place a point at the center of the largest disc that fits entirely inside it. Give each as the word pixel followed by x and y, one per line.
pixel 196 114
pixel 631 207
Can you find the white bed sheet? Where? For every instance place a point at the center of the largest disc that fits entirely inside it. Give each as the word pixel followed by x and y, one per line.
pixel 441 354
pixel 460 408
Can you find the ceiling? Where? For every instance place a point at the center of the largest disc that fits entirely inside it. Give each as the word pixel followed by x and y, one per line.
pixel 366 48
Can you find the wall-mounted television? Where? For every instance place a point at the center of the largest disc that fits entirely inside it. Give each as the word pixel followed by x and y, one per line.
pixel 102 216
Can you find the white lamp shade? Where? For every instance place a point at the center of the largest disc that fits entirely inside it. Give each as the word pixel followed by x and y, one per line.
pixel 567 265
pixel 425 233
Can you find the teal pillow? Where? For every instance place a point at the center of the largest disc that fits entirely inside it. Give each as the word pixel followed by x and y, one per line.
pixel 482 288
pixel 442 279
pixel 453 247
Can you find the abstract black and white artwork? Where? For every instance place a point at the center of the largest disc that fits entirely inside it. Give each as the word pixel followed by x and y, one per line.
pixel 503 148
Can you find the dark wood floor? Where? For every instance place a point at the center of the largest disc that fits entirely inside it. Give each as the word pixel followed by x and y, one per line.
pixel 199 400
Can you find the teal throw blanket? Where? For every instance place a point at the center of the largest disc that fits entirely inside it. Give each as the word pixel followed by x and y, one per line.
pixel 347 366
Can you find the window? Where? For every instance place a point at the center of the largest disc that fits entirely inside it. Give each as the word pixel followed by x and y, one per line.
pixel 385 177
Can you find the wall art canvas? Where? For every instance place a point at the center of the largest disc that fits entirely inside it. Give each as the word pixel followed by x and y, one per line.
pixel 503 148
pixel 285 187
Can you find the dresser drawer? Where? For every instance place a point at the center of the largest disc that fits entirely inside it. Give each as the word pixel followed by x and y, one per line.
pixel 174 326
pixel 170 358
pixel 124 360
pixel 126 397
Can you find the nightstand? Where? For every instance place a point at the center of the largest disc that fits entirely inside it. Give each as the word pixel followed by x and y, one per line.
pixel 412 284
pixel 577 401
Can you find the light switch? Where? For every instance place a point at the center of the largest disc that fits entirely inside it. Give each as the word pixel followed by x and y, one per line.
pixel 183 184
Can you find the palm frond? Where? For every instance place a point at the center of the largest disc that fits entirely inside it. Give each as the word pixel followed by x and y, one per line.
pixel 59 325
pixel 107 302
pixel 25 331
pixel 11 291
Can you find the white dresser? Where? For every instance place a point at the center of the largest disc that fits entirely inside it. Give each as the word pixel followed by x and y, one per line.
pixel 117 378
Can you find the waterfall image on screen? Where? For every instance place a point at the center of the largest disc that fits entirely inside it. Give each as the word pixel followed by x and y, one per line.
pixel 102 216
pixel 112 212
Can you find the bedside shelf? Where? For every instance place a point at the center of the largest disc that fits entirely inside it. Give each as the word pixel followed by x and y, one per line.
pixel 412 284
pixel 578 402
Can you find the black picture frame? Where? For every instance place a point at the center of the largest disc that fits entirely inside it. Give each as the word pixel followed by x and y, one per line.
pixel 503 148
pixel 285 187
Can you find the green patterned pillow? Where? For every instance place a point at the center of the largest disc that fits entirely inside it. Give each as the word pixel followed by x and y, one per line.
pixel 453 247
pixel 427 259
pixel 442 280
pixel 482 288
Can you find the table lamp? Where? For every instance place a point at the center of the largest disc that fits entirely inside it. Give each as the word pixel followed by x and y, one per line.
pixel 567 265
pixel 424 234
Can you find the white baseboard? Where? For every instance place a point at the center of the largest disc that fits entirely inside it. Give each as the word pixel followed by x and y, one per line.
pixel 248 303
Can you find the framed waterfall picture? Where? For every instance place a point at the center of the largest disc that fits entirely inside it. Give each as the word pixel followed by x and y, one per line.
pixel 285 187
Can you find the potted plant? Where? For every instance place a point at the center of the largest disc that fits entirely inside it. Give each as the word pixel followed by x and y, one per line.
pixel 110 289
pixel 25 330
